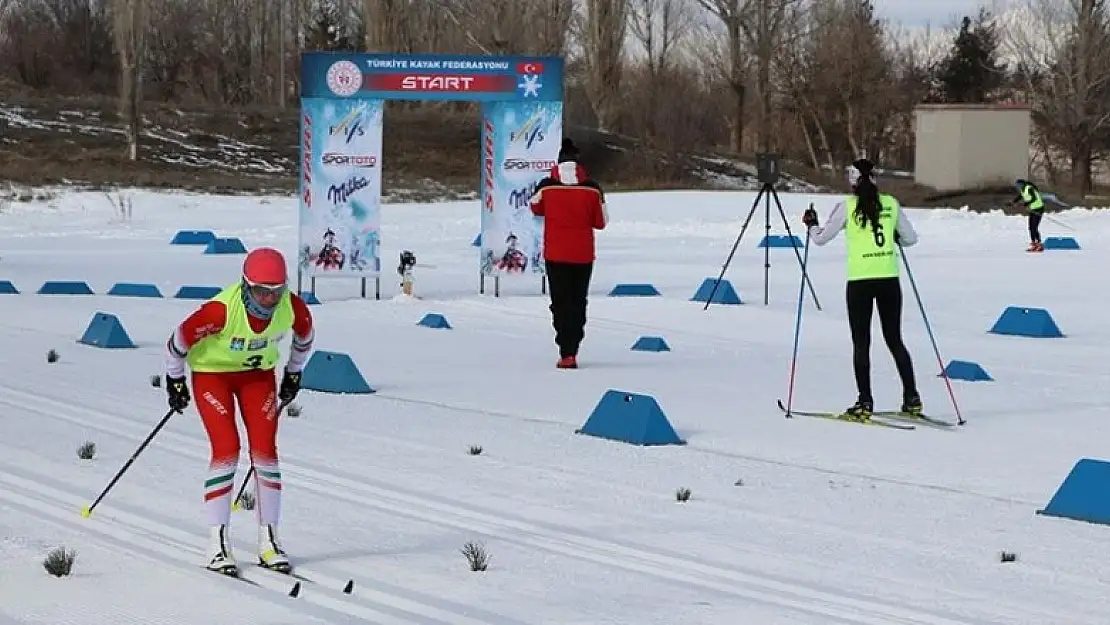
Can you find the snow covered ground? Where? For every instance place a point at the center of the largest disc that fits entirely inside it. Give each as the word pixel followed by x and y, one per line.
pixel 798 521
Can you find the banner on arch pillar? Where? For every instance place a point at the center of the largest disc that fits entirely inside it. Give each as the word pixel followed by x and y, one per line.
pixel 341 175
pixel 520 143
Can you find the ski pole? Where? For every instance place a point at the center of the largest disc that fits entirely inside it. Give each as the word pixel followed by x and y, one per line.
pixel 1058 222
pixel 250 472
pixel 87 510
pixel 797 327
pixel 932 338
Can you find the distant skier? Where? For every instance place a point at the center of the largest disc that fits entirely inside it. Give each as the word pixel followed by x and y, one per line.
pixel 231 345
pixel 876 226
pixel 1030 197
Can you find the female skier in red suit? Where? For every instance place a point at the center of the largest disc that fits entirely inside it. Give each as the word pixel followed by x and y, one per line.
pixel 231 345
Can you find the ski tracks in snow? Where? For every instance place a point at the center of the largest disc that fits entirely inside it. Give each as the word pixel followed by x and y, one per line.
pixel 380 604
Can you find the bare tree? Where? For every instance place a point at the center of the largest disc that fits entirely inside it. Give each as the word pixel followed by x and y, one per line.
pixel 130 31
pixel 1067 75
pixel 765 29
pixel 732 15
pixel 605 30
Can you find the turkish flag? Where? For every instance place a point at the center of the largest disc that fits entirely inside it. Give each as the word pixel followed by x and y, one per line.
pixel 529 67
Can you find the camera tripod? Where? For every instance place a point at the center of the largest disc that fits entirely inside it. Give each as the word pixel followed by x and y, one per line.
pixel 767 191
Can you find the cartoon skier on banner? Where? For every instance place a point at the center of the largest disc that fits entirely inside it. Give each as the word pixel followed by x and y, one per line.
pixel 513 260
pixel 330 256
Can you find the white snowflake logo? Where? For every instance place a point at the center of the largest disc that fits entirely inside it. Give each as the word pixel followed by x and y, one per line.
pixel 531 85
pixel 344 78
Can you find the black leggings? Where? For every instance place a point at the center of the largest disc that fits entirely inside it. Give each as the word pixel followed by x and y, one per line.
pixel 1035 226
pixel 886 294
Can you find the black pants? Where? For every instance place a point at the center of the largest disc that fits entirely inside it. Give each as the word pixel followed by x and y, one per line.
pixel 569 284
pixel 1035 226
pixel 885 294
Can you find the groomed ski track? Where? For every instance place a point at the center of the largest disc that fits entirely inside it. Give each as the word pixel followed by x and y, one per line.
pixel 160 538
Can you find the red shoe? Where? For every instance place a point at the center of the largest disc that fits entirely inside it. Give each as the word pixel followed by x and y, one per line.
pixel 567 362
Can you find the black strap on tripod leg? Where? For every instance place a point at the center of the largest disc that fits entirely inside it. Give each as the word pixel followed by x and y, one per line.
pixel 732 253
pixel 801 263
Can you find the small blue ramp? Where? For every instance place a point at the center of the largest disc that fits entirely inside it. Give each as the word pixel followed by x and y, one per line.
pixel 310 298
pixel 725 294
pixel 780 240
pixel 435 320
pixel 333 372
pixel 1061 243
pixel 193 237
pixel 634 290
pixel 630 418
pixel 230 245
pixel 106 331
pixel 1032 322
pixel 965 370
pixel 651 344
pixel 134 289
pixel 477 242
pixel 7 288
pixel 197 292
pixel 1084 495
pixel 65 287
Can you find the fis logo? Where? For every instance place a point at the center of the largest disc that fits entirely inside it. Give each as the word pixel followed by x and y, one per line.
pixel 529 133
pixel 238 344
pixel 351 125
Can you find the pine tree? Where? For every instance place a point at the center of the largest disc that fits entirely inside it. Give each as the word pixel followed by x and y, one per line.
pixel 972 71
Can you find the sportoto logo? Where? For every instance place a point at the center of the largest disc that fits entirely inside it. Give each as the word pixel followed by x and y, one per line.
pixel 335 159
pixel 344 78
pixel 520 164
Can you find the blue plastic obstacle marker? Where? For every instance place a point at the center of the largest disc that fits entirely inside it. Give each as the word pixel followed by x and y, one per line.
pixel 477 242
pixel 7 288
pixel 634 290
pixel 725 293
pixel 1084 495
pixel 780 240
pixel 225 246
pixel 64 287
pixel 1061 243
pixel 435 320
pixel 1034 322
pixel 630 418
pixel 310 298
pixel 193 237
pixel 134 289
pixel 197 292
pixel 106 331
pixel 650 344
pixel 333 372
pixel 965 370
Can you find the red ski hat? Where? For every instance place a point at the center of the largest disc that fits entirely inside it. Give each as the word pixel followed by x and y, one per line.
pixel 265 266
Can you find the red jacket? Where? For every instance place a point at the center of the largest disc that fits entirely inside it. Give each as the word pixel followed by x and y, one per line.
pixel 573 206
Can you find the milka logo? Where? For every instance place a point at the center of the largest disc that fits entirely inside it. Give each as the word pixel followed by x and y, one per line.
pixel 338 194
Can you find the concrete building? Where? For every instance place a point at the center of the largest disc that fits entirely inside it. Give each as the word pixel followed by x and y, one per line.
pixel 965 146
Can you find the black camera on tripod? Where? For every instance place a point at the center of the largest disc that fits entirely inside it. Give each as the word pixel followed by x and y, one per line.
pixel 767 168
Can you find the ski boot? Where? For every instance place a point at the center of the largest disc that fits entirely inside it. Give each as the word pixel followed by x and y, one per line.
pixel 859 411
pixel 270 553
pixel 911 406
pixel 1035 246
pixel 220 558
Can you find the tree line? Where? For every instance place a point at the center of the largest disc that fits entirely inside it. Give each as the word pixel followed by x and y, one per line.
pixel 820 81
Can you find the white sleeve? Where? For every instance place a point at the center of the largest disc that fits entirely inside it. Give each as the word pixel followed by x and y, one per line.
pixel 907 236
pixel 836 222
pixel 299 351
pixel 175 355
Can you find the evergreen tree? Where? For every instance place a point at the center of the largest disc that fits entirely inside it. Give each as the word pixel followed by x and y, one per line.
pixel 972 71
pixel 330 30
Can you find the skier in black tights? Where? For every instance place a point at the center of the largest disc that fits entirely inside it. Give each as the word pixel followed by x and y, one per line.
pixel 874 225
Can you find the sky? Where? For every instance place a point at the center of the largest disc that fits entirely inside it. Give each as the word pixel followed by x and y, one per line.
pixel 937 13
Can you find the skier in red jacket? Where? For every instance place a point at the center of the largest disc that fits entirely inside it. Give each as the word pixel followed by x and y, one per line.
pixel 573 206
pixel 231 345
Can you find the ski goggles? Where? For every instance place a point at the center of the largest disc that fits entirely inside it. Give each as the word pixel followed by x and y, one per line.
pixel 266 292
